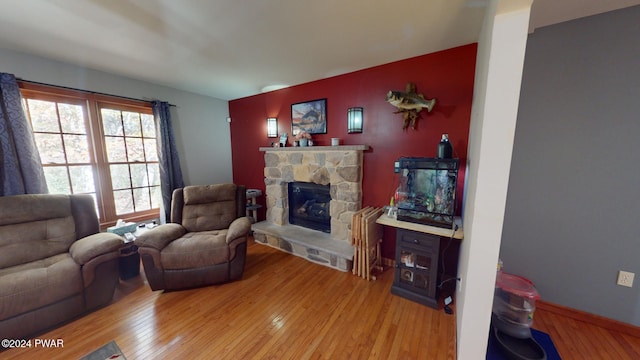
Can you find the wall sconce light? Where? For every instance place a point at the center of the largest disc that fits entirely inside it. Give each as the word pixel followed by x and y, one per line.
pixel 272 127
pixel 354 124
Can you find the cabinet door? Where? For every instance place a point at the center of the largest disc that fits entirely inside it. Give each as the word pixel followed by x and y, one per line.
pixel 417 262
pixel 413 270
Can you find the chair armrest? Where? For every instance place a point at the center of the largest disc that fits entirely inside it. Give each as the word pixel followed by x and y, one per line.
pixel 238 228
pixel 159 237
pixel 92 246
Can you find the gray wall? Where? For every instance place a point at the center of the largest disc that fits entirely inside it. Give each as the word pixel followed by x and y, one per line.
pixel 199 122
pixel 572 218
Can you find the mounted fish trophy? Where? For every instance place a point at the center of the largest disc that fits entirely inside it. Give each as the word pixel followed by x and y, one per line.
pixel 409 103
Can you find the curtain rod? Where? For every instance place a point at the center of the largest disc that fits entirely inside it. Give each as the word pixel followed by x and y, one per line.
pixel 85 91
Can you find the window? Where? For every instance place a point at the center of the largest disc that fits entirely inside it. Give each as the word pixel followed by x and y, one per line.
pixel 98 145
pixel 130 143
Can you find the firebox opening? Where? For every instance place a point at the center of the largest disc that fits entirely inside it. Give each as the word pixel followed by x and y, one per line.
pixel 309 205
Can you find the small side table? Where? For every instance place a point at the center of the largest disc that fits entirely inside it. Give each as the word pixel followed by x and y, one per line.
pixel 252 205
pixel 417 258
pixel 129 261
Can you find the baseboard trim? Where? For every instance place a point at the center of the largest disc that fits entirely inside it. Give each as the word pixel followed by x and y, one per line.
pixel 597 320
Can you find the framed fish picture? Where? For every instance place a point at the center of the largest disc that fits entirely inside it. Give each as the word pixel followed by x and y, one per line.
pixel 310 116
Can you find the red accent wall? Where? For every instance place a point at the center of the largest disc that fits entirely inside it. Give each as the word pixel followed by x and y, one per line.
pixel 446 75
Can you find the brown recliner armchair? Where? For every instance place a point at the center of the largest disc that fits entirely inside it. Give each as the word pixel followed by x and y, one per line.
pixel 55 264
pixel 205 243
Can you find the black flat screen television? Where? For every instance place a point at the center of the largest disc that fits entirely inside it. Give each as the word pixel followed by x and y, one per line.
pixel 427 191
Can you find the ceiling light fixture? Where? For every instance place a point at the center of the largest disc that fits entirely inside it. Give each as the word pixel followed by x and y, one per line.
pixel 273 87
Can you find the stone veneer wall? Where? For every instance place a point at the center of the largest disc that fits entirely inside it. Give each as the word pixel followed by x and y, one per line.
pixel 337 166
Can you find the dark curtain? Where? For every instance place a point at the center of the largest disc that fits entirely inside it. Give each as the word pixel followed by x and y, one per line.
pixel 21 170
pixel 170 172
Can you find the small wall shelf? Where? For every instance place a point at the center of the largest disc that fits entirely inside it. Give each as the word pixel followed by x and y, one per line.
pixel 317 148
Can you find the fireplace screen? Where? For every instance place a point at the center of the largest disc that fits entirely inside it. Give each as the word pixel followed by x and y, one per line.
pixel 309 205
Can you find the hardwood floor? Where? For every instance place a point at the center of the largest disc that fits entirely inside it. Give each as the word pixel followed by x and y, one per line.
pixel 288 308
pixel 283 308
pixel 576 339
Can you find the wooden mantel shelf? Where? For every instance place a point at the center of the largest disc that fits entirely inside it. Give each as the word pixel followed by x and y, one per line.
pixel 384 219
pixel 317 148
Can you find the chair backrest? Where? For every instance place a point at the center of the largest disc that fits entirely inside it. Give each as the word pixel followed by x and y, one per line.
pixel 34 227
pixel 207 207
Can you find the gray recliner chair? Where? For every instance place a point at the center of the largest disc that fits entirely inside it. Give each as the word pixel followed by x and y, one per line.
pixel 205 243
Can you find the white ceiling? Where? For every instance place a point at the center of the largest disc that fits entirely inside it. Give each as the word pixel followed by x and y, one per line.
pixel 235 48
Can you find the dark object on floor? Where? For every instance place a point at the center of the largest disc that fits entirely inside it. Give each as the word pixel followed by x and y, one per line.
pixel 513 329
pixel 495 353
pixel 108 351
pixel 518 348
pixel 129 261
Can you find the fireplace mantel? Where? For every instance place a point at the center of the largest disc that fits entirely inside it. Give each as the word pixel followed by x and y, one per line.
pixel 318 148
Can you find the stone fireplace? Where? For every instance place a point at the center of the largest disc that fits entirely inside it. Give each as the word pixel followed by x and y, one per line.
pixel 339 167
